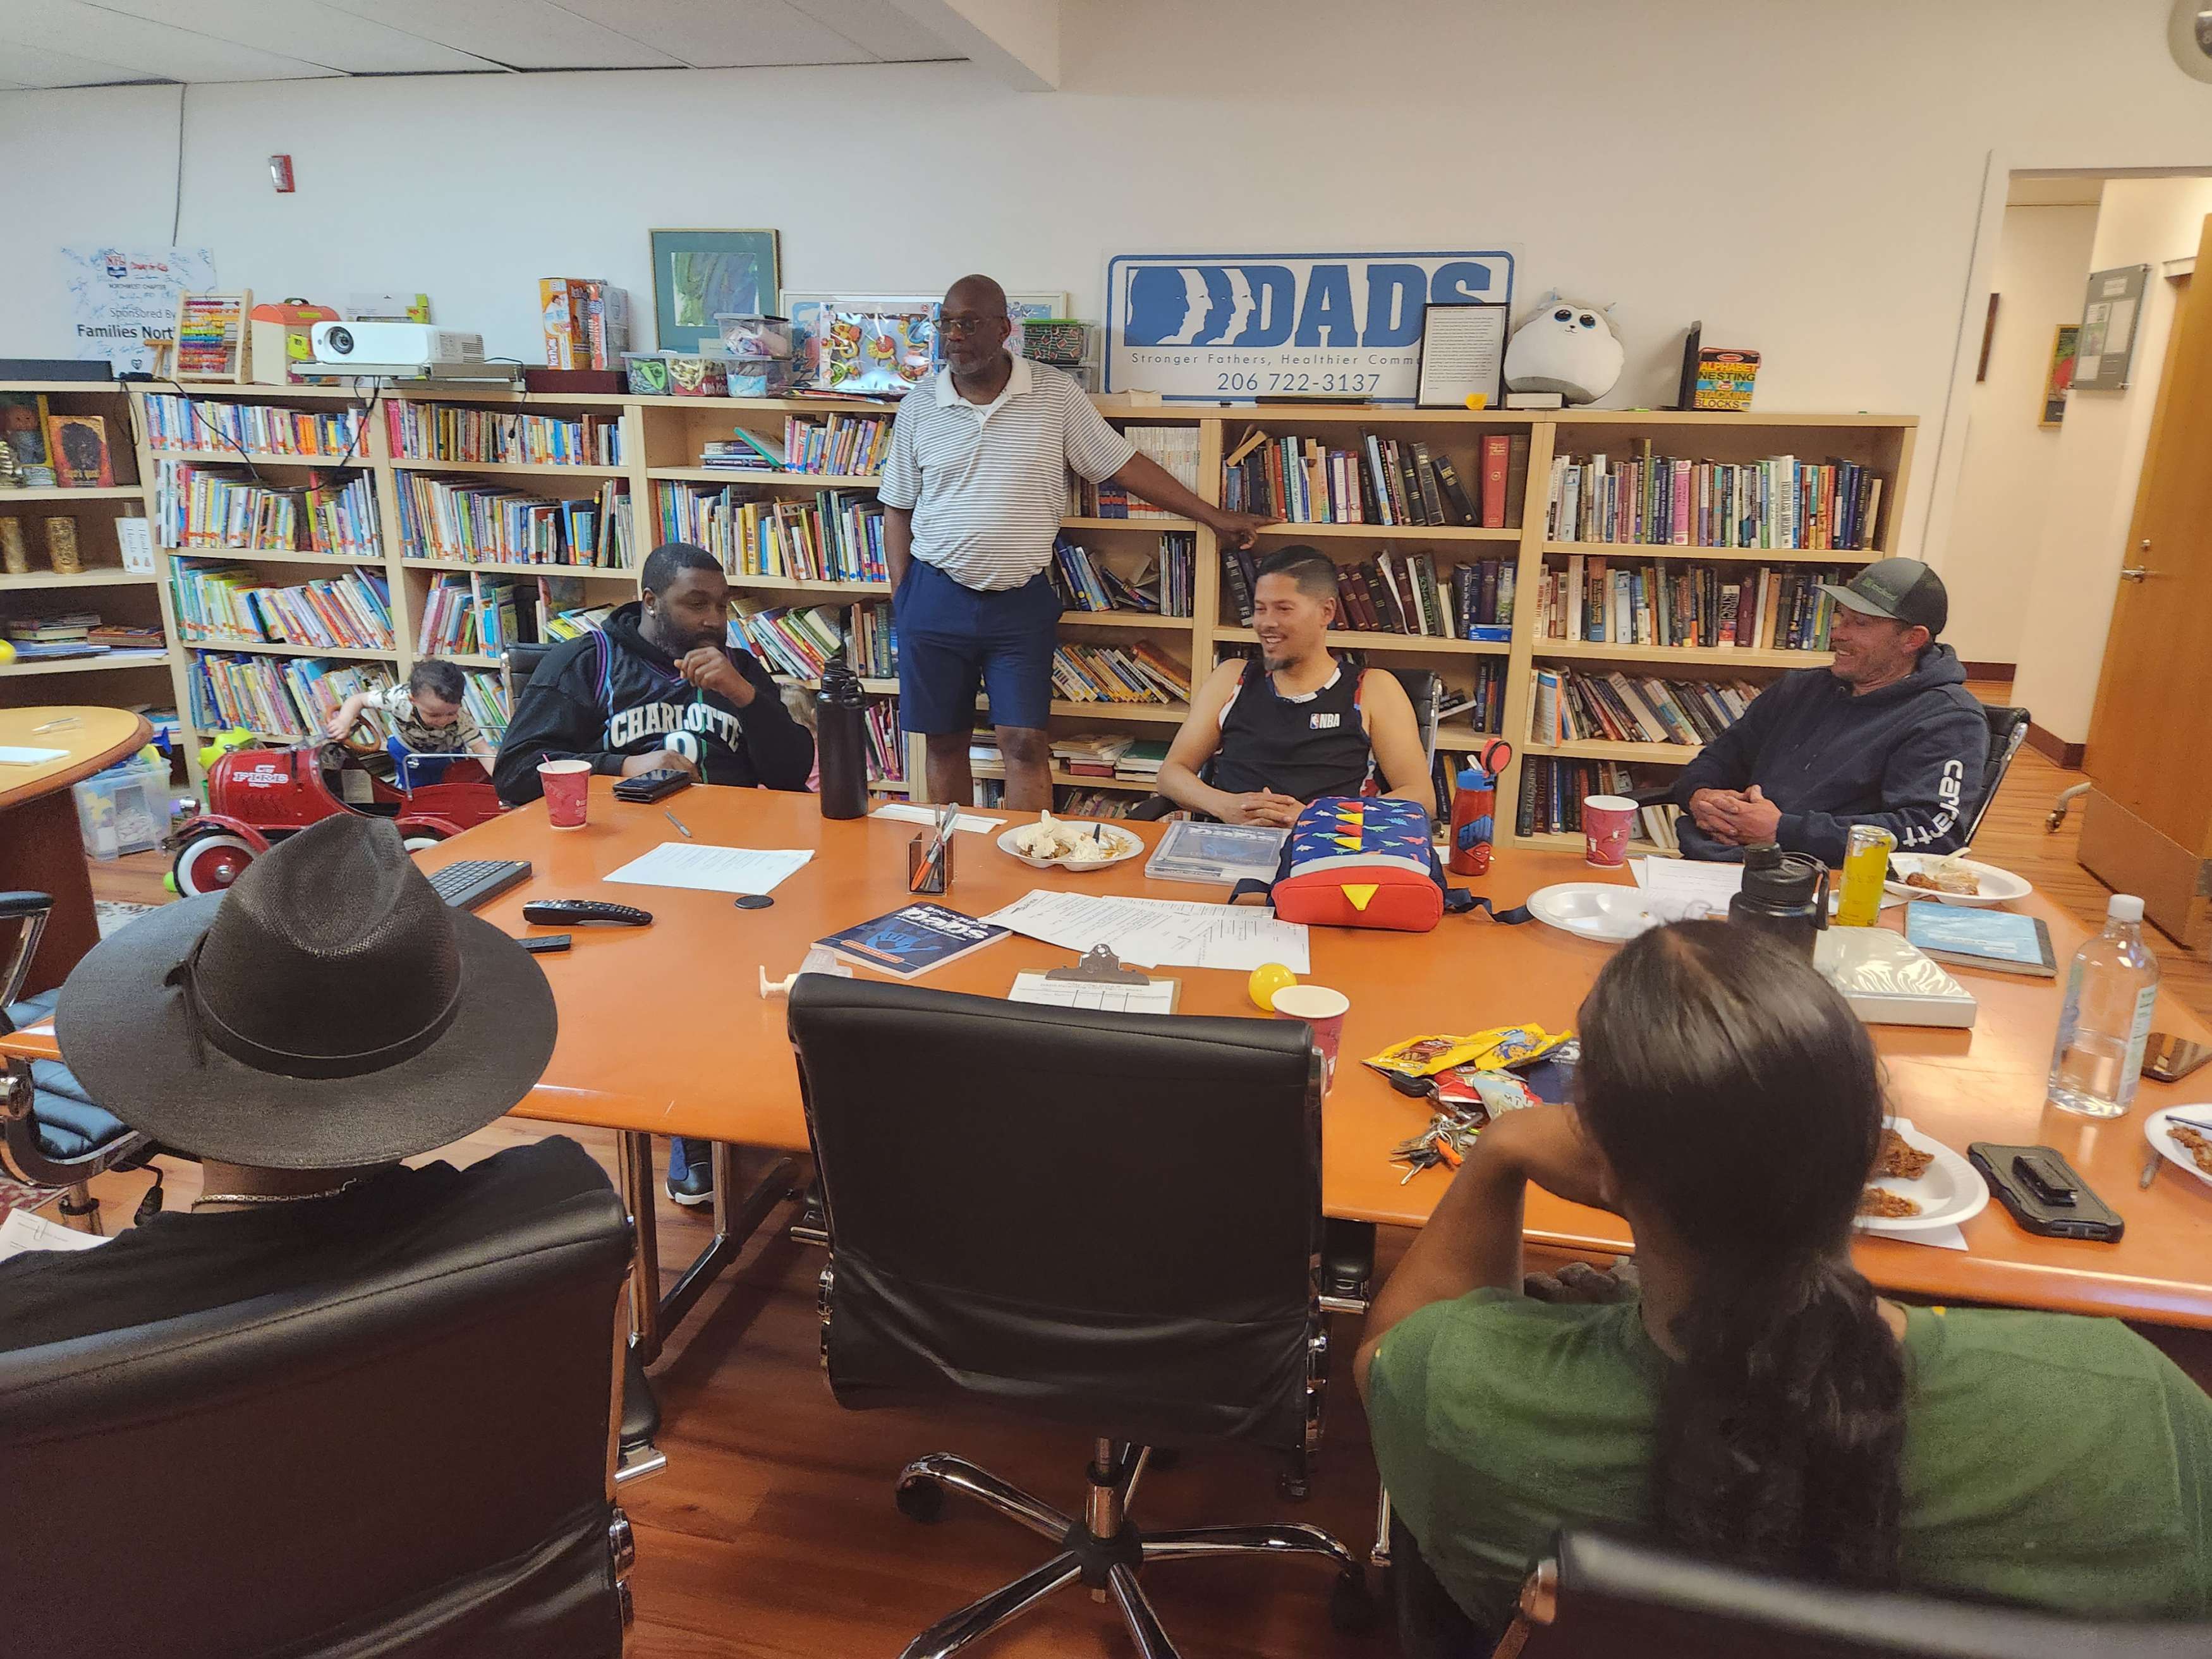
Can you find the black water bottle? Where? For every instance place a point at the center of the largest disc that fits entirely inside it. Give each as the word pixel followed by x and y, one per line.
pixel 1784 895
pixel 840 742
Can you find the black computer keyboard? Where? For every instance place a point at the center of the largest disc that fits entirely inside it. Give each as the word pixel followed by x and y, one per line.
pixel 470 883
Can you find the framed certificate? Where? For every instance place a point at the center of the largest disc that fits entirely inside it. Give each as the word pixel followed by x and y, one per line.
pixel 1462 354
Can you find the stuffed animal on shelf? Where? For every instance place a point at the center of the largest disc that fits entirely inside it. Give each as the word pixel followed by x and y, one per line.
pixel 1567 347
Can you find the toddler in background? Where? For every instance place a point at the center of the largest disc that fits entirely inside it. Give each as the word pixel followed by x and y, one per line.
pixel 427 713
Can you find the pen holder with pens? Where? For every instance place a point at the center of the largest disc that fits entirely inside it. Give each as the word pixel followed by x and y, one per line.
pixel 928 863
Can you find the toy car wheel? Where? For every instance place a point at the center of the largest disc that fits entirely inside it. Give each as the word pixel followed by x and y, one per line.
pixel 209 863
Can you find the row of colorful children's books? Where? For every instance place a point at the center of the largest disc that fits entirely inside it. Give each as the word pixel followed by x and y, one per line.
pixel 483 693
pixel 886 749
pixel 198 506
pixel 850 446
pixel 1160 584
pixel 573 622
pixel 289 700
pixel 1552 790
pixel 1396 591
pixel 484 523
pixel 1384 481
pixel 838 537
pixel 1611 707
pixel 1082 803
pixel 1174 448
pixel 1107 673
pixel 225 602
pixel 1770 608
pixel 871 643
pixel 79 634
pixel 444 432
pixel 797 641
pixel 459 621
pixel 1662 500
pixel 202 424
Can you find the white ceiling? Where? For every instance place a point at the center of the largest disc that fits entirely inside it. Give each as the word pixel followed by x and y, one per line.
pixel 76 43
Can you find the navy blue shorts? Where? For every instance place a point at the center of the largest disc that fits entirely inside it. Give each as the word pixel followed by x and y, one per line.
pixel 951 638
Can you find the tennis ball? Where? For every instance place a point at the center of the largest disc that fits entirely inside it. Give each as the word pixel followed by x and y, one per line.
pixel 1268 978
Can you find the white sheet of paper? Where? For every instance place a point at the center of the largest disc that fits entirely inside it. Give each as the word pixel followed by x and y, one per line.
pixel 24 1230
pixel 1943 1238
pixel 906 813
pixel 10 756
pixel 1156 997
pixel 710 869
pixel 1681 889
pixel 134 539
pixel 1159 933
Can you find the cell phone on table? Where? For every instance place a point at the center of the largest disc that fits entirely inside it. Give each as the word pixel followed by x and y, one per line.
pixel 654 785
pixel 2044 1193
pixel 2169 1059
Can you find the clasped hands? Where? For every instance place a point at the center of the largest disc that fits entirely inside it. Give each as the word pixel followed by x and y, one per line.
pixel 1736 818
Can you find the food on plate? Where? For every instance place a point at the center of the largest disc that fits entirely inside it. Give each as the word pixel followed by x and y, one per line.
pixel 1947 875
pixel 2198 1143
pixel 1885 1206
pixel 1899 1158
pixel 1051 838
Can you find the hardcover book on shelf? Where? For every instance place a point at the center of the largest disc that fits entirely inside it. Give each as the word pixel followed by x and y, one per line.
pixel 78 444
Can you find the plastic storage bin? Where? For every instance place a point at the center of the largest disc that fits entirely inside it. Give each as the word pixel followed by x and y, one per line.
pixel 124 809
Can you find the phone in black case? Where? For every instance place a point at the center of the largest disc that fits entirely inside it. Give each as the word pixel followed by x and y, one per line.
pixel 2044 1194
pixel 654 785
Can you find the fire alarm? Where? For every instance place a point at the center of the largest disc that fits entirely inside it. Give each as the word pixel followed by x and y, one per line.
pixel 280 173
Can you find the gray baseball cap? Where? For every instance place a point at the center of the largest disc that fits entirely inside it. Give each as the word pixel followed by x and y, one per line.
pixel 1903 588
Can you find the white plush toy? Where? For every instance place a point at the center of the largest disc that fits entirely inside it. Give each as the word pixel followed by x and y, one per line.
pixel 1565 347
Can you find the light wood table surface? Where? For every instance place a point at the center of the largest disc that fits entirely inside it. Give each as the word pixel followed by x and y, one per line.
pixel 663 1031
pixel 41 850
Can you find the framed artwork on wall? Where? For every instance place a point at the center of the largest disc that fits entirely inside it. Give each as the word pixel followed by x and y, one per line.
pixel 2058 375
pixel 698 273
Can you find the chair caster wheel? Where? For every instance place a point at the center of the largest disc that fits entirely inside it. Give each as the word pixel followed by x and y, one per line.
pixel 1351 1605
pixel 922 1501
pixel 1293 1488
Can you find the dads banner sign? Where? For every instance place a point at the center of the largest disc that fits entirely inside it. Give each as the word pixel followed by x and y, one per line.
pixel 1211 328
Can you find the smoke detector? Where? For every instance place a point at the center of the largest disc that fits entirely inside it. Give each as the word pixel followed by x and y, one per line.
pixel 2189 37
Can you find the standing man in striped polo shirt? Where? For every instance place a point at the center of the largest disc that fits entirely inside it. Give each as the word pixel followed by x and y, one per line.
pixel 973 496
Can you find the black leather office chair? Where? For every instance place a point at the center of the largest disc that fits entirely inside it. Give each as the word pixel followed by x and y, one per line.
pixel 2007 730
pixel 1604 1598
pixel 1424 689
pixel 407 1453
pixel 1109 1221
pixel 53 1134
pixel 519 663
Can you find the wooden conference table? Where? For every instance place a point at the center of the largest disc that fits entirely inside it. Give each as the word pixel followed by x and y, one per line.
pixel 40 847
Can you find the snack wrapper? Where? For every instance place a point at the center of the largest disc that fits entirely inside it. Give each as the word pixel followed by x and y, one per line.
pixel 1496 1049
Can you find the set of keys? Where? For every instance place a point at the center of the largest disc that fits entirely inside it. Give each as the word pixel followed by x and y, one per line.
pixel 1444 1141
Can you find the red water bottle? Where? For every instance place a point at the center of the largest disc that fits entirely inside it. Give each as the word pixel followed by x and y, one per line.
pixel 1474 812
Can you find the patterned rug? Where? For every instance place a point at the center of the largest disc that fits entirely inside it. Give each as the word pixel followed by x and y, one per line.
pixel 114 915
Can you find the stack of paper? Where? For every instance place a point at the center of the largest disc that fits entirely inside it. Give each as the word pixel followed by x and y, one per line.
pixel 1159 933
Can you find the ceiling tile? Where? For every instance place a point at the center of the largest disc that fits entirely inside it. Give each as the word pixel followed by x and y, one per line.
pixel 36 66
pixel 724 34
pixel 524 35
pixel 878 28
pixel 151 51
pixel 304 29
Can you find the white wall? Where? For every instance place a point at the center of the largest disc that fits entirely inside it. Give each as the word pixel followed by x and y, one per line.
pixel 2005 484
pixel 1806 180
pixel 2099 462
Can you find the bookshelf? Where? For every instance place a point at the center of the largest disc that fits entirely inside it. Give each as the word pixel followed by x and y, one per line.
pixel 662 440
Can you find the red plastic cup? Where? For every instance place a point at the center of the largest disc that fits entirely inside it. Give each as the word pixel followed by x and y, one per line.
pixel 1607 820
pixel 568 792
pixel 1322 1009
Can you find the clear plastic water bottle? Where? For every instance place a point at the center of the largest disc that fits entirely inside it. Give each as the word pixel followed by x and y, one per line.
pixel 2112 990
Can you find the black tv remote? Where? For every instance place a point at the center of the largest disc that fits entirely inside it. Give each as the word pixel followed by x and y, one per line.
pixel 583 912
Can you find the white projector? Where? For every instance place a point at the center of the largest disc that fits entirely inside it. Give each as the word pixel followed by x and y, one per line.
pixel 390 345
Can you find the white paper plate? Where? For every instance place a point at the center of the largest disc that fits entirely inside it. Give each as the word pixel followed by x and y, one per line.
pixel 1122 846
pixel 1601 910
pixel 2156 1132
pixel 1998 886
pixel 1949 1191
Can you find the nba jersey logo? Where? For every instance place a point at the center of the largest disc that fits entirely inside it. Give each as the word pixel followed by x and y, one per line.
pixel 1324 722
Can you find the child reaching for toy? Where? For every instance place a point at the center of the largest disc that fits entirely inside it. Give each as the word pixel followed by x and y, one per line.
pixel 425 713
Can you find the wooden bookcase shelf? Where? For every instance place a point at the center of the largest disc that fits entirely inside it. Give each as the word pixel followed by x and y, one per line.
pixel 661 439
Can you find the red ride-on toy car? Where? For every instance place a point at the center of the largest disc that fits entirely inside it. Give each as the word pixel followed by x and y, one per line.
pixel 257 796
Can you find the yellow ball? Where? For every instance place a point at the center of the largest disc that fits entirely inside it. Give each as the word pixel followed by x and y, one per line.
pixel 1268 978
pixel 7 653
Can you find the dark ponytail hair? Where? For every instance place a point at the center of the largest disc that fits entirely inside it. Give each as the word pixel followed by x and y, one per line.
pixel 1735 1094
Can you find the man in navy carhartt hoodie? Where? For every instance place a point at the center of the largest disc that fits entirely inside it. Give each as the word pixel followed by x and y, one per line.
pixel 1889 735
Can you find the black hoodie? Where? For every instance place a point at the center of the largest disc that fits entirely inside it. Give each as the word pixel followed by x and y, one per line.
pixel 609 695
pixel 1908 757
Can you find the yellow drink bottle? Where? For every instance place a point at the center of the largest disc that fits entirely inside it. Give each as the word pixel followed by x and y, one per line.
pixel 1866 866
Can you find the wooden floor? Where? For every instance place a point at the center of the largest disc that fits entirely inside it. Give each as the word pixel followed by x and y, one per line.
pixel 773 1532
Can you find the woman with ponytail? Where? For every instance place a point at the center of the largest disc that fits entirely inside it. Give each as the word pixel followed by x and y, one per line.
pixel 1757 1403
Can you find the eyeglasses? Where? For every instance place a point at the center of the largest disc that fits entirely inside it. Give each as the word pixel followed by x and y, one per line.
pixel 964 324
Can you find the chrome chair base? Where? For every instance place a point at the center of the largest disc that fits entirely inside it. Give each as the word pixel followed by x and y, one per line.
pixel 1103 1551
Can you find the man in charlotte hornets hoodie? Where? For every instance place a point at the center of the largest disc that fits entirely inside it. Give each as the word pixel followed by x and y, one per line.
pixel 659 687
pixel 1889 735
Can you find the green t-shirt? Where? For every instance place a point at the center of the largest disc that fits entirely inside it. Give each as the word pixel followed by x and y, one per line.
pixel 2051 1461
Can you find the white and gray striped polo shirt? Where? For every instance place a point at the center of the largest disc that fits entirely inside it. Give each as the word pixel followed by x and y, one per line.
pixel 988 483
